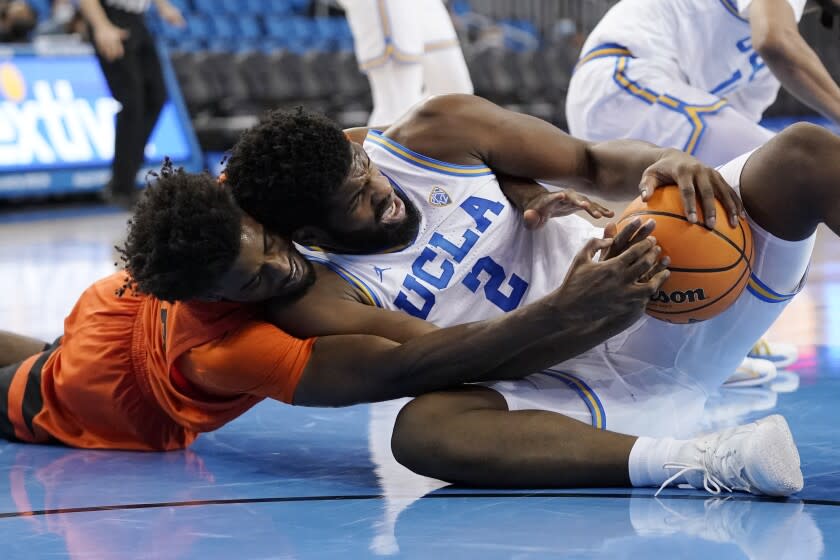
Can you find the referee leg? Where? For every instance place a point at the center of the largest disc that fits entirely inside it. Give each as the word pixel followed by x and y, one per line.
pixel 154 87
pixel 125 79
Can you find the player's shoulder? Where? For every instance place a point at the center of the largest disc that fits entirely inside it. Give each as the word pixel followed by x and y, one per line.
pixel 329 285
pixel 319 311
pixel 443 127
pixel 435 111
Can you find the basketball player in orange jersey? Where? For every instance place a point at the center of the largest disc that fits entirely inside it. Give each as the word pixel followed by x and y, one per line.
pixel 135 372
pixel 412 220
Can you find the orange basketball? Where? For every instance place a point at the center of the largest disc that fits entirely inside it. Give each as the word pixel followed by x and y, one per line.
pixel 709 268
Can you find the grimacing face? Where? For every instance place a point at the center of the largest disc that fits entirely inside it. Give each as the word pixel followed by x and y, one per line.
pixel 366 212
pixel 268 266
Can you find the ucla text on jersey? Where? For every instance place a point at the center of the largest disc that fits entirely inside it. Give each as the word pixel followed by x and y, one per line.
pixel 417 296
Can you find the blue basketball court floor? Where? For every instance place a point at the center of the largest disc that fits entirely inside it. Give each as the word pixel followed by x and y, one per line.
pixel 282 482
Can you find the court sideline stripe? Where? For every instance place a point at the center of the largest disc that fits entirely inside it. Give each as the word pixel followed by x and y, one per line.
pixel 460 495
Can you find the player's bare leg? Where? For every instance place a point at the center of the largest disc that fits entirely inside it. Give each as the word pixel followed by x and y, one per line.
pixel 16 348
pixel 469 436
pixel 792 183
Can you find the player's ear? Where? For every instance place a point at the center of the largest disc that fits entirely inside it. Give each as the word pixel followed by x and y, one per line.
pixel 309 236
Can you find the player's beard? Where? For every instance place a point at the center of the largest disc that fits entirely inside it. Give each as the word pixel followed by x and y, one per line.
pixel 386 236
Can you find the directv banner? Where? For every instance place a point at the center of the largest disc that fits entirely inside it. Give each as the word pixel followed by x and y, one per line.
pixel 57 121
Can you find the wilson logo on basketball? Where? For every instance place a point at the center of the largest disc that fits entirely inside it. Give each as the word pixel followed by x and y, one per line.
pixel 676 296
pixel 710 268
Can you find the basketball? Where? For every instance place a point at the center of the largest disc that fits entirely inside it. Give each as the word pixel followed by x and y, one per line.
pixel 709 267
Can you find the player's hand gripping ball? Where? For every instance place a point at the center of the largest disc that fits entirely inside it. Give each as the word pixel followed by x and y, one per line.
pixel 709 267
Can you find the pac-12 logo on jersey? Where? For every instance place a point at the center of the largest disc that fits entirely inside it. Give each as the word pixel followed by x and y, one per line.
pixel 439 197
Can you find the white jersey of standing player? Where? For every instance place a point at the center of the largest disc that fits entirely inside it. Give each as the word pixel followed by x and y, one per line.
pixel 678 73
pixel 408 49
pixel 473 259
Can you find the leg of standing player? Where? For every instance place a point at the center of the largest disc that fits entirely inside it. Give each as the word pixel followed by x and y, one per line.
pixel 622 97
pixel 389 47
pixel 154 91
pixel 445 71
pixel 444 67
pixel 395 88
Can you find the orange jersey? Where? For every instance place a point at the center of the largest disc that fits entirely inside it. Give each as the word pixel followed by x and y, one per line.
pixel 133 372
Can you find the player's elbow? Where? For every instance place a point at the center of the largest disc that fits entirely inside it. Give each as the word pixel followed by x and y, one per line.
pixel 775 43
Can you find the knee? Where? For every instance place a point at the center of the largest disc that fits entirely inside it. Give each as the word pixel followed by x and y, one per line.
pixel 805 146
pixel 412 441
pixel 426 438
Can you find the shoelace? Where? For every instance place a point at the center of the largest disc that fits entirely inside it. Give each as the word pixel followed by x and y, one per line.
pixel 711 484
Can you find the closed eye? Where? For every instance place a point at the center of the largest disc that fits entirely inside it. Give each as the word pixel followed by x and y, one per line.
pixel 354 202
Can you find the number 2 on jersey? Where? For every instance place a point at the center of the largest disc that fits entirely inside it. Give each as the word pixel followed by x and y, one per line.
pixel 492 289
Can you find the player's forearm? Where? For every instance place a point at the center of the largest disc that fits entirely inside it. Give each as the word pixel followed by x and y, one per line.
pixel 802 73
pixel 94 13
pixel 615 167
pixel 511 347
pixel 520 192
pixel 554 349
pixel 472 352
pixel 347 370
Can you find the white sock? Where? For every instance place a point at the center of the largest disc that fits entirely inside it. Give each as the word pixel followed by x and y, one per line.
pixel 649 455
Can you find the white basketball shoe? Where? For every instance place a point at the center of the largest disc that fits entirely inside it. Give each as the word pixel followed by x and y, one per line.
pixel 752 372
pixel 759 458
pixel 780 353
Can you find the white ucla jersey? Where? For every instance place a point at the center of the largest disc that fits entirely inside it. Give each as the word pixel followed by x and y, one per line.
pixel 472 256
pixel 707 43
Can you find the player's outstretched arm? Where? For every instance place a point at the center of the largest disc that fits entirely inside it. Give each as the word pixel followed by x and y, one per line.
pixel 467 129
pixel 775 36
pixel 376 355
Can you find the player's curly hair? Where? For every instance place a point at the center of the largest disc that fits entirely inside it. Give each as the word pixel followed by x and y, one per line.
pixel 283 170
pixel 184 236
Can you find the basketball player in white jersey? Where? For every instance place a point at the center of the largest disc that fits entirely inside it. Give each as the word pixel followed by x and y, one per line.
pixel 408 50
pixel 413 220
pixel 695 74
